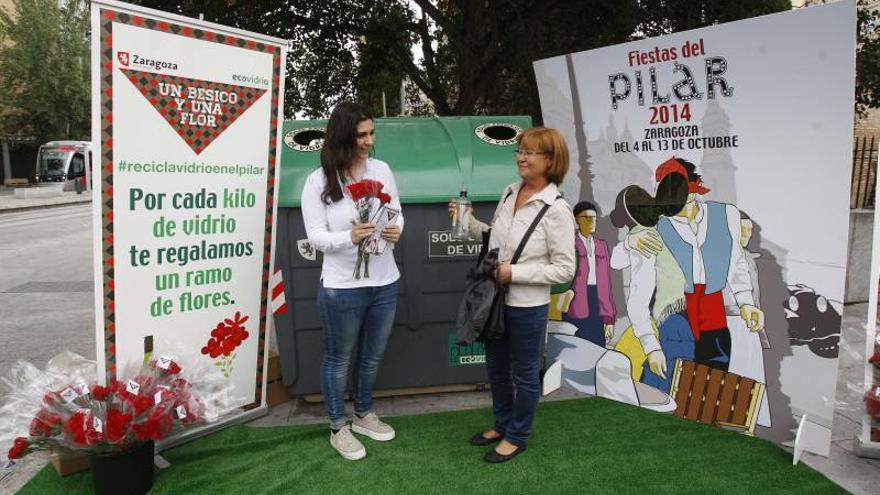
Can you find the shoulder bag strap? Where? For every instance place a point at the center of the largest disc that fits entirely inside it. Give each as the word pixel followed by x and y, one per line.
pixel 525 239
pixel 484 246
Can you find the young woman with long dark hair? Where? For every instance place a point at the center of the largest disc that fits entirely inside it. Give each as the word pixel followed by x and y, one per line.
pixel 353 311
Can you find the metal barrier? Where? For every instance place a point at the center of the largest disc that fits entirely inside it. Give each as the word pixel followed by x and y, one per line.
pixel 864 173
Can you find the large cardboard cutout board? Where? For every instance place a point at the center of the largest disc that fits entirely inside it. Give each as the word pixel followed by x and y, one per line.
pixel 718 163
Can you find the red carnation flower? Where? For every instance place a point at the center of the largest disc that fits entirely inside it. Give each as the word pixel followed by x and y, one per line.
pixel 81 429
pixel 19 446
pixel 101 393
pixel 384 198
pixel 373 187
pixel 44 423
pixel 875 359
pixel 155 427
pixel 872 401
pixel 117 425
pixel 172 367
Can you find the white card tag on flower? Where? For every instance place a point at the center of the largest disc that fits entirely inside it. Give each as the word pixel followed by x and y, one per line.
pixel 133 387
pixel 164 362
pixel 374 244
pixel 9 464
pixel 158 396
pixel 98 424
pixel 181 412
pixel 68 394
pixel 82 388
pixel 877 339
pixel 877 392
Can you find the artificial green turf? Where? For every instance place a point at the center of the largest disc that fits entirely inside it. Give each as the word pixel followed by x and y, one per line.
pixel 592 446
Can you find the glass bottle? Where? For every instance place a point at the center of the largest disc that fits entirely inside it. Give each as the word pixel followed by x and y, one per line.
pixel 461 217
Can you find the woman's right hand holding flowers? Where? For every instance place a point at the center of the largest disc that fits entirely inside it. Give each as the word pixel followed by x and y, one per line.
pixel 360 231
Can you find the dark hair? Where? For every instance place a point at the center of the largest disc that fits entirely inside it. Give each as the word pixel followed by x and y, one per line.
pixel 693 176
pixel 584 206
pixel 340 146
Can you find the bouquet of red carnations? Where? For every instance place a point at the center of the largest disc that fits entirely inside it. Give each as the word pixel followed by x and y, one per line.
pixel 63 406
pixel 366 194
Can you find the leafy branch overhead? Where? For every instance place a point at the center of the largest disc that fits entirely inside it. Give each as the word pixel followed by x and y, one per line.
pixel 466 57
pixel 458 57
pixel 44 69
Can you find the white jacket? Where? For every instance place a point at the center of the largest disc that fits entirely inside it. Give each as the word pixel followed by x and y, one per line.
pixel 549 255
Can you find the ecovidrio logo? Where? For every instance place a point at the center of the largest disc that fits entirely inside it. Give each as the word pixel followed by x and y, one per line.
pixel 257 80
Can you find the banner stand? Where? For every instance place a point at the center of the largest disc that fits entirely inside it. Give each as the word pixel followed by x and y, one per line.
pixel 185 123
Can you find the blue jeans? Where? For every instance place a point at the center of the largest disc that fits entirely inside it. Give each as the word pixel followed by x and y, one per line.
pixel 362 316
pixel 513 363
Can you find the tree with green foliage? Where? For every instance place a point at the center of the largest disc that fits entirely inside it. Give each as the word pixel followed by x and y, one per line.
pixel 868 57
pixel 44 69
pixel 467 57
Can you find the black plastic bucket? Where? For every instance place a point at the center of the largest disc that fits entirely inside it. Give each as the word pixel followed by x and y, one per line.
pixel 129 471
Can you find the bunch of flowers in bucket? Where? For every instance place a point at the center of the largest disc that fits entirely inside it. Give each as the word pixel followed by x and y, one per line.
pixel 366 195
pixel 65 408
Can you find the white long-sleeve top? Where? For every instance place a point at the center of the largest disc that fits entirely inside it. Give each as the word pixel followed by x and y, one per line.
pixel 328 228
pixel 643 281
pixel 549 255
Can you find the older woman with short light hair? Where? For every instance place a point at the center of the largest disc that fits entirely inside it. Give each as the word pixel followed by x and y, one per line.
pixel 513 362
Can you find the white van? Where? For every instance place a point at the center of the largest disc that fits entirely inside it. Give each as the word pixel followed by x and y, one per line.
pixel 64 161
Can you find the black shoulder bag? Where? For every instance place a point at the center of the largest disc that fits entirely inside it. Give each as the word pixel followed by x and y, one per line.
pixel 494 327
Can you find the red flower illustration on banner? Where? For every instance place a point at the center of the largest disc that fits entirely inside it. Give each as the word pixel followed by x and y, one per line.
pixel 225 338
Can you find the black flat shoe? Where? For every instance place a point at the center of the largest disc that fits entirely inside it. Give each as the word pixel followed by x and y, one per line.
pixel 493 457
pixel 479 440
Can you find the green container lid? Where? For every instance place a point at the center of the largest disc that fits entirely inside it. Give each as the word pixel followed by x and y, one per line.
pixel 432 157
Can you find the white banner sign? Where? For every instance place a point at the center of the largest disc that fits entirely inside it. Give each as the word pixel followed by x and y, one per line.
pixel 185 125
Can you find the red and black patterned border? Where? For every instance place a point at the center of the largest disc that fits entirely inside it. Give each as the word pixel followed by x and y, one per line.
pixel 107 18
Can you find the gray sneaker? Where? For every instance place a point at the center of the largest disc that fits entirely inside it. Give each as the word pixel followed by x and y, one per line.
pixel 371 426
pixel 347 445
